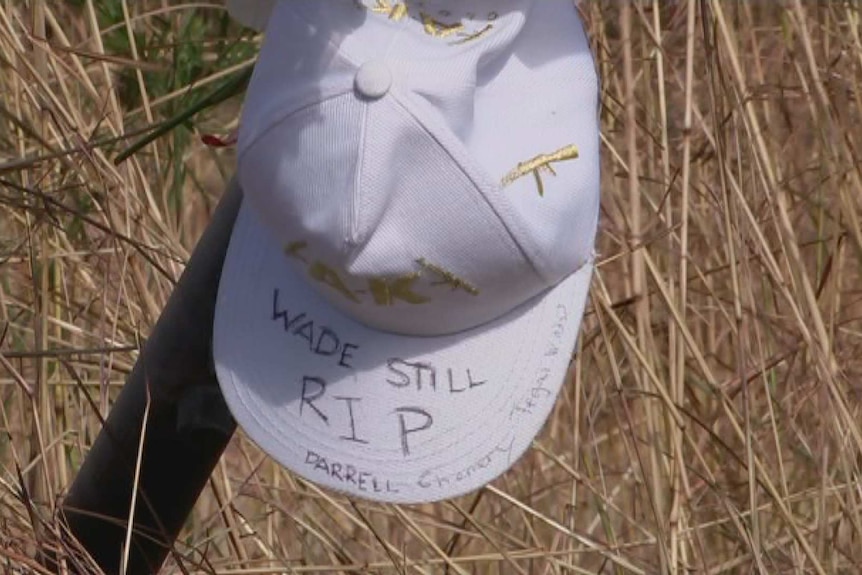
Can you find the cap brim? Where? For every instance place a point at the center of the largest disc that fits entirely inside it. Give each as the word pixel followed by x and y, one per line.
pixel 378 415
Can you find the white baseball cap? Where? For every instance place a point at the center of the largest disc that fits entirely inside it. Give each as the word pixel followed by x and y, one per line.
pixel 407 275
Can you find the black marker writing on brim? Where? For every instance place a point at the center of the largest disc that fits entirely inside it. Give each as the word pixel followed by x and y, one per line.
pixel 309 397
pixel 352 437
pixel 406 429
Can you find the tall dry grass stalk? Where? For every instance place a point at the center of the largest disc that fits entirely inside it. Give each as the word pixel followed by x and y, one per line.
pixel 712 420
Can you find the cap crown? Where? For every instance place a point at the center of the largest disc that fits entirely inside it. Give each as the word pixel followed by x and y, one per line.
pixel 426 166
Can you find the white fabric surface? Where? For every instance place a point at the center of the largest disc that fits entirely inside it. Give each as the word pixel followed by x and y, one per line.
pixel 421 198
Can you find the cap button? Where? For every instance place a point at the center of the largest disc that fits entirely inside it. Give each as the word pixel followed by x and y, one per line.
pixel 373 80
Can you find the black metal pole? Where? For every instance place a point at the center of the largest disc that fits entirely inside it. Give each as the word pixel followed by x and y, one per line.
pixel 188 426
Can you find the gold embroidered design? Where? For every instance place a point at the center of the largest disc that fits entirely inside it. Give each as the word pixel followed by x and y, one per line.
pixel 293 250
pixel 382 291
pixel 448 278
pixel 387 291
pixel 433 26
pixel 324 274
pixel 541 162
pixel 395 11
pixel 474 36
pixel 439 29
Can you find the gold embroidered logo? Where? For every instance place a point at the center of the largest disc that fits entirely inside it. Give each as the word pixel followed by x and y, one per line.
pixel 395 11
pixel 476 35
pixel 294 250
pixel 387 291
pixel 541 162
pixel 439 29
pixel 442 24
pixel 447 278
pixel 384 291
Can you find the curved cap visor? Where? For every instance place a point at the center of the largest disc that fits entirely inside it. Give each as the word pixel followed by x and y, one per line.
pixel 375 415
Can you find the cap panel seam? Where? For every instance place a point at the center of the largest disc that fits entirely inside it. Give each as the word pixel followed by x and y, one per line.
pixel 476 184
pixel 278 118
pixel 359 174
pixel 479 180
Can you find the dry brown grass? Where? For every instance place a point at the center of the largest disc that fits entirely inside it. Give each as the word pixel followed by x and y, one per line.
pixel 713 421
